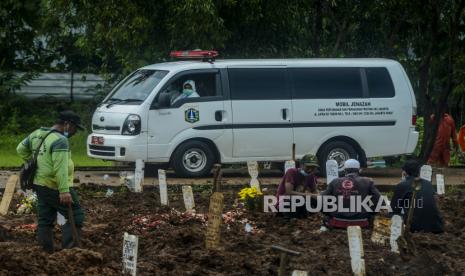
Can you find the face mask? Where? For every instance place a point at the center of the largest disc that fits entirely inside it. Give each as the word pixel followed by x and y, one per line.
pixel 66 133
pixel 304 173
pixel 187 91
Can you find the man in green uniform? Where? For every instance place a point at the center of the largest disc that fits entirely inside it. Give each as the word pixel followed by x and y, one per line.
pixel 53 180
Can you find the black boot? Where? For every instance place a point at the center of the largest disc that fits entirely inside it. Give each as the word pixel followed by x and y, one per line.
pixel 45 237
pixel 67 236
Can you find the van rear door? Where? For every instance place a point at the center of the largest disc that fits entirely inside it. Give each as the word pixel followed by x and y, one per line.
pixel 262 112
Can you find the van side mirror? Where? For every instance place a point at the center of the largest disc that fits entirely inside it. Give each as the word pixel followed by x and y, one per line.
pixel 164 101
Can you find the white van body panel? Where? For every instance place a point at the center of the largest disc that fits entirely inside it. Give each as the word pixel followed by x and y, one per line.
pixel 163 130
pixel 257 141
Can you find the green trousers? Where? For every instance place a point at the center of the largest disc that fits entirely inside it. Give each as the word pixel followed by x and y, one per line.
pixel 47 208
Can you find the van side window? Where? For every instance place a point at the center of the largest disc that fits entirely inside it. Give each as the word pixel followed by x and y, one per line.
pixel 197 85
pixel 327 83
pixel 258 84
pixel 379 83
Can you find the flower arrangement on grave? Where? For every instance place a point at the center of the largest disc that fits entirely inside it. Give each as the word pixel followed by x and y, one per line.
pixel 28 204
pixel 251 198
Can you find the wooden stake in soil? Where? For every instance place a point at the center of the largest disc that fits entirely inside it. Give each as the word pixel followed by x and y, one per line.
pixel 441 188
pixel 426 172
pixel 406 244
pixel 284 259
pixel 8 194
pixel 290 163
pixel 354 234
pixel 332 170
pixel 188 197
pixel 293 151
pixel 381 230
pixel 215 211
pixel 163 187
pixel 130 248
pixel 139 176
pixel 217 175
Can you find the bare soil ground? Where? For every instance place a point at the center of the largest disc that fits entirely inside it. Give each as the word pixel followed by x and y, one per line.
pixel 172 242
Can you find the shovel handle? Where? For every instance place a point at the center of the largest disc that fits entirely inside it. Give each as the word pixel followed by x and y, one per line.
pixel 76 240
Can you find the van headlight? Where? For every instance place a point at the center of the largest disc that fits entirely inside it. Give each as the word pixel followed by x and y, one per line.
pixel 132 125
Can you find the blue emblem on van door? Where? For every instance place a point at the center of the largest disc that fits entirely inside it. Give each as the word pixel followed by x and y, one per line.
pixel 191 115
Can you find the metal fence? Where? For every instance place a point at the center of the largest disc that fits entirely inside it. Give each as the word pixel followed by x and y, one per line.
pixel 70 86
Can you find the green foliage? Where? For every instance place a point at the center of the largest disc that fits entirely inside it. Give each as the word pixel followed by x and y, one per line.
pixel 421 129
pixel 20 116
pixel 116 37
pixel 9 157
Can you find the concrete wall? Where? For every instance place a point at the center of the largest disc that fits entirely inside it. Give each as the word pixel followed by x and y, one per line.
pixel 62 85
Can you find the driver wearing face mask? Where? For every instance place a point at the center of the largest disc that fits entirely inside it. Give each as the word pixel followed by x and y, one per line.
pixel 300 181
pixel 188 91
pixel 53 179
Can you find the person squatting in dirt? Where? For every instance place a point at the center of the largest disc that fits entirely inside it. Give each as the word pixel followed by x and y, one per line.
pixel 301 181
pixel 440 155
pixel 344 188
pixel 426 216
pixel 53 180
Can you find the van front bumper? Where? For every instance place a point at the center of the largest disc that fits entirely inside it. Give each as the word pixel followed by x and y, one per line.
pixel 118 147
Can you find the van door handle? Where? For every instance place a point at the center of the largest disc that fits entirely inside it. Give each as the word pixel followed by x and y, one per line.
pixel 219 115
pixel 284 113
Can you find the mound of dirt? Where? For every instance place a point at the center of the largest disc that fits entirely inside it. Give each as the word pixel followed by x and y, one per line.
pixel 173 243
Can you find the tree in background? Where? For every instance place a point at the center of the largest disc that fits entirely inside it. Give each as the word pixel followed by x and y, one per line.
pixel 116 37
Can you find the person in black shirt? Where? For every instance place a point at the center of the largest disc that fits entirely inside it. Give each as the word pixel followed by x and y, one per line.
pixel 426 216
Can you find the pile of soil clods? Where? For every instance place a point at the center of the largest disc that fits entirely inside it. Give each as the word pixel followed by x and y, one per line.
pixel 173 243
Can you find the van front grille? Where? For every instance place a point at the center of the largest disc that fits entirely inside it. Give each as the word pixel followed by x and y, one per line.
pixel 102 150
pixel 98 127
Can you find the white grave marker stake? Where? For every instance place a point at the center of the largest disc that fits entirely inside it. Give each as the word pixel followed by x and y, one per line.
pixel 396 231
pixel 188 196
pixel 288 165
pixel 332 170
pixel 139 176
pixel 252 166
pixel 130 247
pixel 299 273
pixel 441 189
pixel 426 172
pixel 254 183
pixel 163 187
pixel 354 234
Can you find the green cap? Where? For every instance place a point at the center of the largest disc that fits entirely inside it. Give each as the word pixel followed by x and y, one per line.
pixel 309 160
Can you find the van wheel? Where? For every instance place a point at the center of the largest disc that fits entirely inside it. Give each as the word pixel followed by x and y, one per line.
pixel 339 151
pixel 193 159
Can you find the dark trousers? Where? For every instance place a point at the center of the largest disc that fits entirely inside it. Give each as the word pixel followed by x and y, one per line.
pixel 47 208
pixel 300 212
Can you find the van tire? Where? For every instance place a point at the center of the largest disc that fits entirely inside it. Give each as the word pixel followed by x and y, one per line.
pixel 193 159
pixel 337 150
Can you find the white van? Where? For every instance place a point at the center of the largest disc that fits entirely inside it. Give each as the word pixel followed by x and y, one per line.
pixel 255 110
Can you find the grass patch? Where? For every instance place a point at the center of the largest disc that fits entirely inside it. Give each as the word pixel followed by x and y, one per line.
pixel 9 157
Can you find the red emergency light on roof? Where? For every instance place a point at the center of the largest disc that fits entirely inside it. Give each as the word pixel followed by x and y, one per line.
pixel 208 55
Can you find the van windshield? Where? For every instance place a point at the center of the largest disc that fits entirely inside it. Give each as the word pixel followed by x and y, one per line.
pixel 137 87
